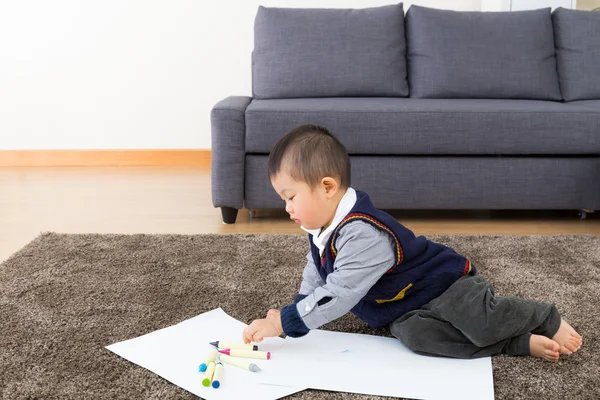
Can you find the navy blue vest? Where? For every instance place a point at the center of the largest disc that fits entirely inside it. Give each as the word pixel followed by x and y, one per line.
pixel 423 270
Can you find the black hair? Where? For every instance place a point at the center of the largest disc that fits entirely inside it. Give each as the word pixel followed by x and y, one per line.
pixel 309 153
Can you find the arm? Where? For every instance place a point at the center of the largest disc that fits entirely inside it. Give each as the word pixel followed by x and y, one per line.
pixel 228 130
pixel 271 325
pixel 364 255
pixel 310 279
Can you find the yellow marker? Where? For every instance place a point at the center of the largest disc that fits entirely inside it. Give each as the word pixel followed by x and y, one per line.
pixel 263 355
pixel 209 357
pixel 238 362
pixel 216 381
pixel 208 375
pixel 221 344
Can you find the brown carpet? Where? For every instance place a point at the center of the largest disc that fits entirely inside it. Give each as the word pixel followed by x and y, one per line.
pixel 64 297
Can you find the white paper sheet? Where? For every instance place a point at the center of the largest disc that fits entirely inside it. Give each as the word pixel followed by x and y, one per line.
pixel 324 360
pixel 175 353
pixel 379 366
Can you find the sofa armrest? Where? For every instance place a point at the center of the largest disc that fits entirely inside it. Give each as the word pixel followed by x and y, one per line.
pixel 228 132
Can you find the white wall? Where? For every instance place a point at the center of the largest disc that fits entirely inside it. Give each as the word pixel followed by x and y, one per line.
pixel 495 5
pixel 518 5
pixel 135 74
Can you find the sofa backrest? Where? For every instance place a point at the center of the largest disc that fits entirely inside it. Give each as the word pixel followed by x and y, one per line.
pixel 499 55
pixel 430 53
pixel 329 52
pixel 577 37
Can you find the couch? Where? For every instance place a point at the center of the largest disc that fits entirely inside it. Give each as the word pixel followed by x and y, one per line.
pixel 437 108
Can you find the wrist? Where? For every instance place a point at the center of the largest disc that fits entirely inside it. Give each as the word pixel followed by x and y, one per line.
pixel 292 323
pixel 275 319
pixel 278 325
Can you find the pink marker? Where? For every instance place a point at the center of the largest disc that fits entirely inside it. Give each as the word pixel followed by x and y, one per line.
pixel 262 355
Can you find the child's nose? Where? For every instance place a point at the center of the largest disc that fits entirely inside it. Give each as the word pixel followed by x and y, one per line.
pixel 288 208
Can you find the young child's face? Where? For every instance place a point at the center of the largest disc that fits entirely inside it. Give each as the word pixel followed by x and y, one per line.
pixel 307 206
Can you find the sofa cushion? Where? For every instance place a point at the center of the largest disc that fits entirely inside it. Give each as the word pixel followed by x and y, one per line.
pixel 455 182
pixel 464 54
pixel 431 126
pixel 329 52
pixel 593 104
pixel 577 37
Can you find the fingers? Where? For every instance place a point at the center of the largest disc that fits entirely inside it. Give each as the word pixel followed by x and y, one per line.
pixel 262 328
pixel 254 332
pixel 249 333
pixel 258 337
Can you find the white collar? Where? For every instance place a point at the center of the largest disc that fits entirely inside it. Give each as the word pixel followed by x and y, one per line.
pixel 346 204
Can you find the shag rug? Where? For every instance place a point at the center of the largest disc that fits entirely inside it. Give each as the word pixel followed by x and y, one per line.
pixel 64 297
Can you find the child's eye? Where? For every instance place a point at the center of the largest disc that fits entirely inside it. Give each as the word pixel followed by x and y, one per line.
pixel 292 198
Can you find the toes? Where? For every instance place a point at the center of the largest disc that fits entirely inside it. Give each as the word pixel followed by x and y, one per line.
pixel 571 346
pixel 552 351
pixel 572 331
pixel 565 350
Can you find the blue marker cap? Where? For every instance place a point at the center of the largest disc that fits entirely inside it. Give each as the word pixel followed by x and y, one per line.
pixel 216 384
pixel 202 367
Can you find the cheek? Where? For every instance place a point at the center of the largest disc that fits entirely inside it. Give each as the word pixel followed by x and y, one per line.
pixel 311 209
pixel 303 208
pixel 298 208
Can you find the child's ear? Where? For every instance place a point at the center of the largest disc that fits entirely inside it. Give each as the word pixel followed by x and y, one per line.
pixel 330 186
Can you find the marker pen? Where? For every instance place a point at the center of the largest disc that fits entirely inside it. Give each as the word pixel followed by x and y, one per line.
pixel 263 355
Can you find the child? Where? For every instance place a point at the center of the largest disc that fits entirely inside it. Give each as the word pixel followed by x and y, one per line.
pixel 362 260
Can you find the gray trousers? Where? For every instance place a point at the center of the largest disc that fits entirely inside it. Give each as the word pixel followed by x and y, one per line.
pixel 468 321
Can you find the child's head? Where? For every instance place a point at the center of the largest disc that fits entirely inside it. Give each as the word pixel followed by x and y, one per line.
pixel 310 169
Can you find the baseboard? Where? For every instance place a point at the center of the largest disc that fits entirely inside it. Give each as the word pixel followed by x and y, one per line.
pixel 104 158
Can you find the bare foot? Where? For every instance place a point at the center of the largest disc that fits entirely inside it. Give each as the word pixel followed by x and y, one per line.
pixel 542 347
pixel 568 339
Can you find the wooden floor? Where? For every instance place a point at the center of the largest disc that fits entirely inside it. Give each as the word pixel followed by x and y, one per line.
pixel 178 200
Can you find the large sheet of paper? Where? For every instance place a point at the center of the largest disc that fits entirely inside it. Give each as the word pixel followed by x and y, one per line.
pixel 175 353
pixel 324 360
pixel 378 366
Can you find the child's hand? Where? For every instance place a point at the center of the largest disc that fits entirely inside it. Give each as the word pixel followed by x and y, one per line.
pixel 262 328
pixel 274 314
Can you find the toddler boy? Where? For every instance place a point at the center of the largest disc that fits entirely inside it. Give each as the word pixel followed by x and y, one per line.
pixel 363 261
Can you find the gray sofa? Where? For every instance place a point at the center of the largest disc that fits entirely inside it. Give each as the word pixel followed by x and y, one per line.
pixel 437 108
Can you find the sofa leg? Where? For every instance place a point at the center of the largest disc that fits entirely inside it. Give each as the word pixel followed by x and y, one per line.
pixel 583 213
pixel 229 215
